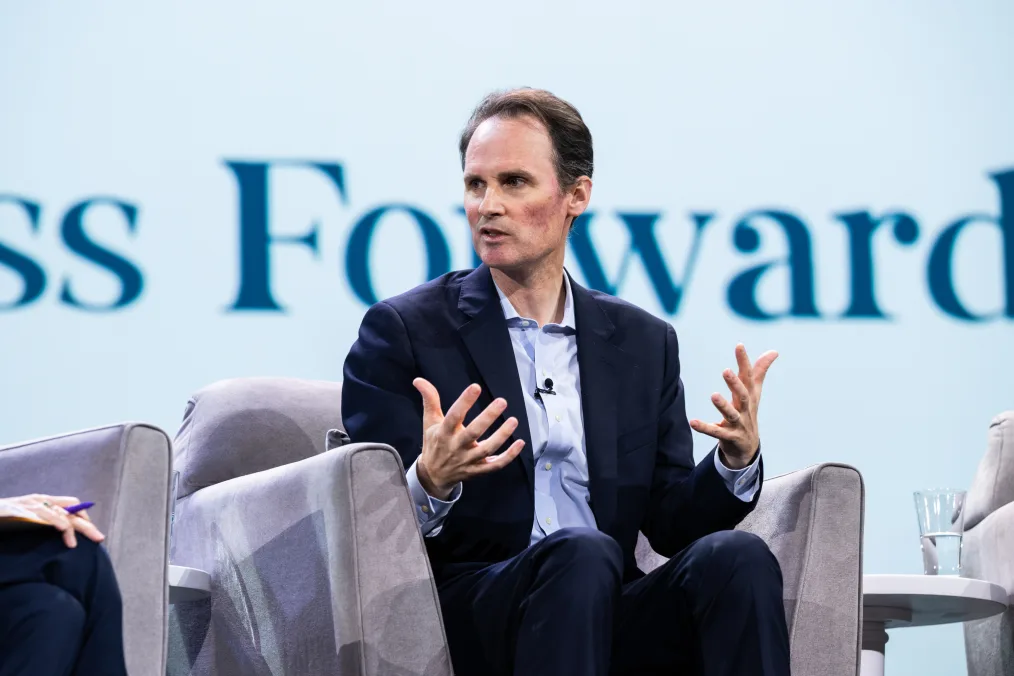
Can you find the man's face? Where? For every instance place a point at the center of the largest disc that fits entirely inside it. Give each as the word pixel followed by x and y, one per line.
pixel 518 214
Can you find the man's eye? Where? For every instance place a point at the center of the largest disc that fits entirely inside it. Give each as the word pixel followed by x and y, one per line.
pixel 515 181
pixel 474 184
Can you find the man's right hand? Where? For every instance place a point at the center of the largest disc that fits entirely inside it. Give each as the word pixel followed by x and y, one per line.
pixel 451 451
pixel 50 508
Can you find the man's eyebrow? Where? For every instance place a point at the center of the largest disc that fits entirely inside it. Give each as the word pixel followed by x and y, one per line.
pixel 503 175
pixel 528 176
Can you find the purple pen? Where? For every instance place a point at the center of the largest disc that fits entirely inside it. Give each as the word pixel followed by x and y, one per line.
pixel 74 509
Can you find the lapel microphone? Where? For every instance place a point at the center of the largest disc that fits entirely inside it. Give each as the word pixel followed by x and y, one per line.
pixel 549 388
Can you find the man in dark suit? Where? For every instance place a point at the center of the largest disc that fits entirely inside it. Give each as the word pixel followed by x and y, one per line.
pixel 567 436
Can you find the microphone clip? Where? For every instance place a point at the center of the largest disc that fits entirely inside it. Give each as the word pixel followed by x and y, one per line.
pixel 549 389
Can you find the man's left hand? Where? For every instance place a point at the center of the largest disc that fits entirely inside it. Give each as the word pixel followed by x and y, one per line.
pixel 737 434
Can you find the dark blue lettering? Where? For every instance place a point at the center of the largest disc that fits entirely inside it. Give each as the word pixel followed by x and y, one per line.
pixel 357 253
pixel 861 226
pixel 255 238
pixel 742 291
pixel 940 273
pixel 643 243
pixel 33 277
pixel 77 240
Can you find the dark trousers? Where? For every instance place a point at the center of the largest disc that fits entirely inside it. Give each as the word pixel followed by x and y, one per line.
pixel 60 610
pixel 560 608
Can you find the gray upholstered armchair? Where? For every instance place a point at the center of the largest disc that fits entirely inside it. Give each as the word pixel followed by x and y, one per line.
pixel 318 566
pixel 988 549
pixel 125 469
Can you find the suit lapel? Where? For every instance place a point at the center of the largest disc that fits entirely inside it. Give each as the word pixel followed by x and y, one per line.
pixel 487 339
pixel 599 364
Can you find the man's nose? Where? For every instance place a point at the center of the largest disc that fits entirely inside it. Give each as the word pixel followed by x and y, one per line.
pixel 492 204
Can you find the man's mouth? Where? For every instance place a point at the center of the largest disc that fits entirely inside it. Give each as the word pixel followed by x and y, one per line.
pixel 491 233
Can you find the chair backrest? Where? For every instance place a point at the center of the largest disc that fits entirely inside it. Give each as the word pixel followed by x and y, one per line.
pixel 993 485
pixel 236 427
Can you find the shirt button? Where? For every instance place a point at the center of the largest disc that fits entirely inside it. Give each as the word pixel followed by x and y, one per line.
pixel 425 509
pixel 549 466
pixel 549 521
pixel 557 416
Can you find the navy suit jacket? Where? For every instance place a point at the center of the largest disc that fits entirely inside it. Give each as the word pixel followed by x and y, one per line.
pixel 642 475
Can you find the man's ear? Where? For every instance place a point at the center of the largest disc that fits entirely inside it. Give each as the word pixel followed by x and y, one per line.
pixel 579 195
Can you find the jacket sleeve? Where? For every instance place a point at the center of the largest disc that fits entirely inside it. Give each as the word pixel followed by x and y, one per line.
pixel 379 403
pixel 687 501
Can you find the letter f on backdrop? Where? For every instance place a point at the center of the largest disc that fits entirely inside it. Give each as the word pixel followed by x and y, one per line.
pixel 255 238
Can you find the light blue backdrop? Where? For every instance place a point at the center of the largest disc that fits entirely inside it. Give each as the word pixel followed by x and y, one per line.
pixel 713 109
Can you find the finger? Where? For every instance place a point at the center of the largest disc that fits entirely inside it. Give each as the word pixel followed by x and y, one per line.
pixel 712 430
pixel 764 362
pixel 495 462
pixel 59 521
pixel 490 445
pixel 86 528
pixel 745 370
pixel 432 414
pixel 62 523
pixel 727 410
pixel 60 500
pixel 59 518
pixel 740 395
pixel 481 423
pixel 47 511
pixel 456 413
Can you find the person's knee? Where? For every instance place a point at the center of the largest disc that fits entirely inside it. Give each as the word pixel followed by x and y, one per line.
pixel 740 554
pixel 56 613
pixel 84 556
pixel 592 554
pixel 87 572
pixel 41 628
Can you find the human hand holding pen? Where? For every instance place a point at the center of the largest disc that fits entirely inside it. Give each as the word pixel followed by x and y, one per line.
pixel 52 510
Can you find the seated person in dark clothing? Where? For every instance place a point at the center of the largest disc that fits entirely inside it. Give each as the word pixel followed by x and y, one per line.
pixel 60 610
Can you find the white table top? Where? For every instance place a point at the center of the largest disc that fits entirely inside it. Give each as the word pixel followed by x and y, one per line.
pixel 188 584
pixel 922 600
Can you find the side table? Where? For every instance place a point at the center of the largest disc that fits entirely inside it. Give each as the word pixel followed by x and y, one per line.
pixel 895 601
pixel 188 584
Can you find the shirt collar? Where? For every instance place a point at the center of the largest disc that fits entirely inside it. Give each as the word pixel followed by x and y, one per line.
pixel 510 313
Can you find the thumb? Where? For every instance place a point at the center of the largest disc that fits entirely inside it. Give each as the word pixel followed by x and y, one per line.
pixel 432 413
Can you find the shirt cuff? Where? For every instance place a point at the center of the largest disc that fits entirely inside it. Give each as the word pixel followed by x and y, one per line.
pixel 429 511
pixel 742 483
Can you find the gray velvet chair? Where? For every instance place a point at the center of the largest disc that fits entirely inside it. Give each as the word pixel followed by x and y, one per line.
pixel 125 469
pixel 988 549
pixel 318 566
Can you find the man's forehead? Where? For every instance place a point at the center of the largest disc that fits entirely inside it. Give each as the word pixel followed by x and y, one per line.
pixel 499 142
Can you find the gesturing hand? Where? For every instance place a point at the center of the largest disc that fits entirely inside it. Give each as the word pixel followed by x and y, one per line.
pixel 737 434
pixel 50 509
pixel 451 452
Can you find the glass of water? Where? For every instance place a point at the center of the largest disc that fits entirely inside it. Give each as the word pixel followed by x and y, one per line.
pixel 941 517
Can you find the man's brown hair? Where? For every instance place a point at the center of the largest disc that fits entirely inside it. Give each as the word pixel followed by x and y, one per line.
pixel 572 141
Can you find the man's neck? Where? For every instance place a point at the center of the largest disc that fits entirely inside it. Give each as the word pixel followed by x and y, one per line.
pixel 538 295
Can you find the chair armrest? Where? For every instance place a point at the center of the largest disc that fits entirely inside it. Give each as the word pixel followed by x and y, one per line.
pixel 812 520
pixel 987 553
pixel 316 565
pixel 125 469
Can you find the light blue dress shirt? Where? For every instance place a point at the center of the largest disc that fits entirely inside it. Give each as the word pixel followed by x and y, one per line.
pixel 556 423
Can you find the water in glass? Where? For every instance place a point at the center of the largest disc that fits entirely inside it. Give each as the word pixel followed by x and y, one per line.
pixel 941 518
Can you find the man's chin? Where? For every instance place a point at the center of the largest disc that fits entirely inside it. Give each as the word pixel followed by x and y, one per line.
pixel 499 259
